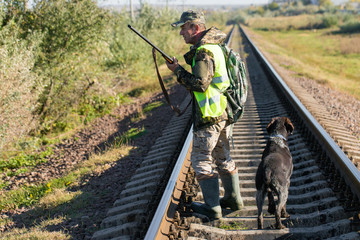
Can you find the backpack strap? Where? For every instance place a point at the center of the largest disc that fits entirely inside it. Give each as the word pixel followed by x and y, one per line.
pixel 175 109
pixel 231 135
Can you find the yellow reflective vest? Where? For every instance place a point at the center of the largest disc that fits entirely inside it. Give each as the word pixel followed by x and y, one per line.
pixel 212 102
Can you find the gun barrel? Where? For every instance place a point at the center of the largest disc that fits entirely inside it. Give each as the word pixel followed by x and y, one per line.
pixel 167 58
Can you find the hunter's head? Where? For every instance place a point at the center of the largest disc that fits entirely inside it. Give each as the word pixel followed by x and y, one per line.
pixel 192 24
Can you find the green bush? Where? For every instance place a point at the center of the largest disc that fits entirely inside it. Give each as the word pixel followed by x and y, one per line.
pixel 130 53
pixel 330 21
pixel 350 27
pixel 19 85
pixel 69 61
pixel 96 106
pixel 52 56
pixel 218 19
pixel 273 6
pixel 71 28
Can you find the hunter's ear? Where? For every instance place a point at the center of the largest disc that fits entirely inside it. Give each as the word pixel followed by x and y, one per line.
pixel 195 27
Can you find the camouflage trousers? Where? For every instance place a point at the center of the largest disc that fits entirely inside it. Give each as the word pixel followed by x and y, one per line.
pixel 211 146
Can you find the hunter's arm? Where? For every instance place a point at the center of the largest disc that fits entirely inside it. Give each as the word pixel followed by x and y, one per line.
pixel 202 72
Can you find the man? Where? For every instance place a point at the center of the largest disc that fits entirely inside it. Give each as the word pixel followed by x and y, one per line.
pixel 211 128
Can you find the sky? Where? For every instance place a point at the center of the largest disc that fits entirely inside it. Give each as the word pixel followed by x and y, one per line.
pixel 188 2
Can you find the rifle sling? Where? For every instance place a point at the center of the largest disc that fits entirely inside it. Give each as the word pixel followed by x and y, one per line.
pixel 175 109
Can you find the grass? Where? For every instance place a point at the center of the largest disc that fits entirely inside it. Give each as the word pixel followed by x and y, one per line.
pixel 29 195
pixel 129 136
pixel 283 22
pixel 55 201
pixel 151 106
pixel 62 199
pixel 327 58
pixel 232 226
pixel 35 233
pixel 19 163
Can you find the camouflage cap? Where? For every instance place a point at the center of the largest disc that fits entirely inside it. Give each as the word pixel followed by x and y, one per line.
pixel 190 16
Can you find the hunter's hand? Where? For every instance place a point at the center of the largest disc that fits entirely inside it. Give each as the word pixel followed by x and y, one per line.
pixel 174 65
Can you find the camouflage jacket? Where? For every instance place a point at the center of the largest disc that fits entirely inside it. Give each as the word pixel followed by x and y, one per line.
pixel 202 74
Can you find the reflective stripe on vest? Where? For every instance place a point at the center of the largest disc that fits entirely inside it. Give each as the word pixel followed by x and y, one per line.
pixel 212 102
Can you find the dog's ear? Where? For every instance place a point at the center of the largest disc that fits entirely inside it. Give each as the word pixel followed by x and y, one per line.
pixel 270 126
pixel 289 127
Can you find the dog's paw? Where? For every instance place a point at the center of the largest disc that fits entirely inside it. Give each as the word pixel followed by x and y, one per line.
pixel 284 214
pixel 279 226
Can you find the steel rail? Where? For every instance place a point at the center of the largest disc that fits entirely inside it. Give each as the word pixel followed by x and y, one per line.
pixel 160 214
pixel 173 183
pixel 347 169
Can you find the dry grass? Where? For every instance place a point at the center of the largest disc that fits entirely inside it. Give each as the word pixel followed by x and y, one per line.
pixel 349 44
pixel 319 55
pixel 284 22
pixel 38 232
pixel 57 197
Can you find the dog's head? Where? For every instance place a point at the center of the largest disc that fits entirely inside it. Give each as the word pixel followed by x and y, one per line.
pixel 280 125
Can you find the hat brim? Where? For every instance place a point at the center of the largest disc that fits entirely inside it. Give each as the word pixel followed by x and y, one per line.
pixel 177 24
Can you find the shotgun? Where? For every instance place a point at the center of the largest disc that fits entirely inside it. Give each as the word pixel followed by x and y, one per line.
pixel 167 58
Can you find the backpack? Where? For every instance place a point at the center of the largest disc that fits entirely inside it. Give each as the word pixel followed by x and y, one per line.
pixel 237 92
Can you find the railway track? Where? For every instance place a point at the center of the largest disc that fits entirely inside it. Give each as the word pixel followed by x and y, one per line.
pixel 325 186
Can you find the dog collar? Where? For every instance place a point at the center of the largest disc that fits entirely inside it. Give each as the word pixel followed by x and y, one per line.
pixel 279 136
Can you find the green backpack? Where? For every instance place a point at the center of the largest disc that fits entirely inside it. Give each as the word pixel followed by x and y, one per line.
pixel 237 92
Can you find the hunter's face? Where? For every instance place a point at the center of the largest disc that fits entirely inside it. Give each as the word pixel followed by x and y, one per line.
pixel 188 33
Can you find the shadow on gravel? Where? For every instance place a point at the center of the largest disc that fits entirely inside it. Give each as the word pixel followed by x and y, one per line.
pixel 81 216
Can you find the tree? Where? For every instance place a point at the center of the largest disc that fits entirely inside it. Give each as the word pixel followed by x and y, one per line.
pixel 69 27
pixel 325 3
pixel 273 6
pixel 306 2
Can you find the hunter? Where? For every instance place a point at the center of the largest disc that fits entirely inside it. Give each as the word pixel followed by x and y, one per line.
pixel 210 126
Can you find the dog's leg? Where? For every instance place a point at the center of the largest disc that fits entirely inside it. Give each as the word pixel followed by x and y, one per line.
pixel 284 213
pixel 271 206
pixel 283 195
pixel 260 197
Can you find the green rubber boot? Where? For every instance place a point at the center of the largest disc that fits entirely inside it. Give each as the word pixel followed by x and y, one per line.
pixel 210 190
pixel 232 198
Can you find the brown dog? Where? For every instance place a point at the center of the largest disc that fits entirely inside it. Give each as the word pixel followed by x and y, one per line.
pixel 274 172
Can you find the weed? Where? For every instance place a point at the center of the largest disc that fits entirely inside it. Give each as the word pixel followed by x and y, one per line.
pixel 47 141
pixel 137 92
pixel 233 225
pixel 151 106
pixel 17 172
pixel 95 107
pixel 129 135
pixel 3 184
pixel 25 160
